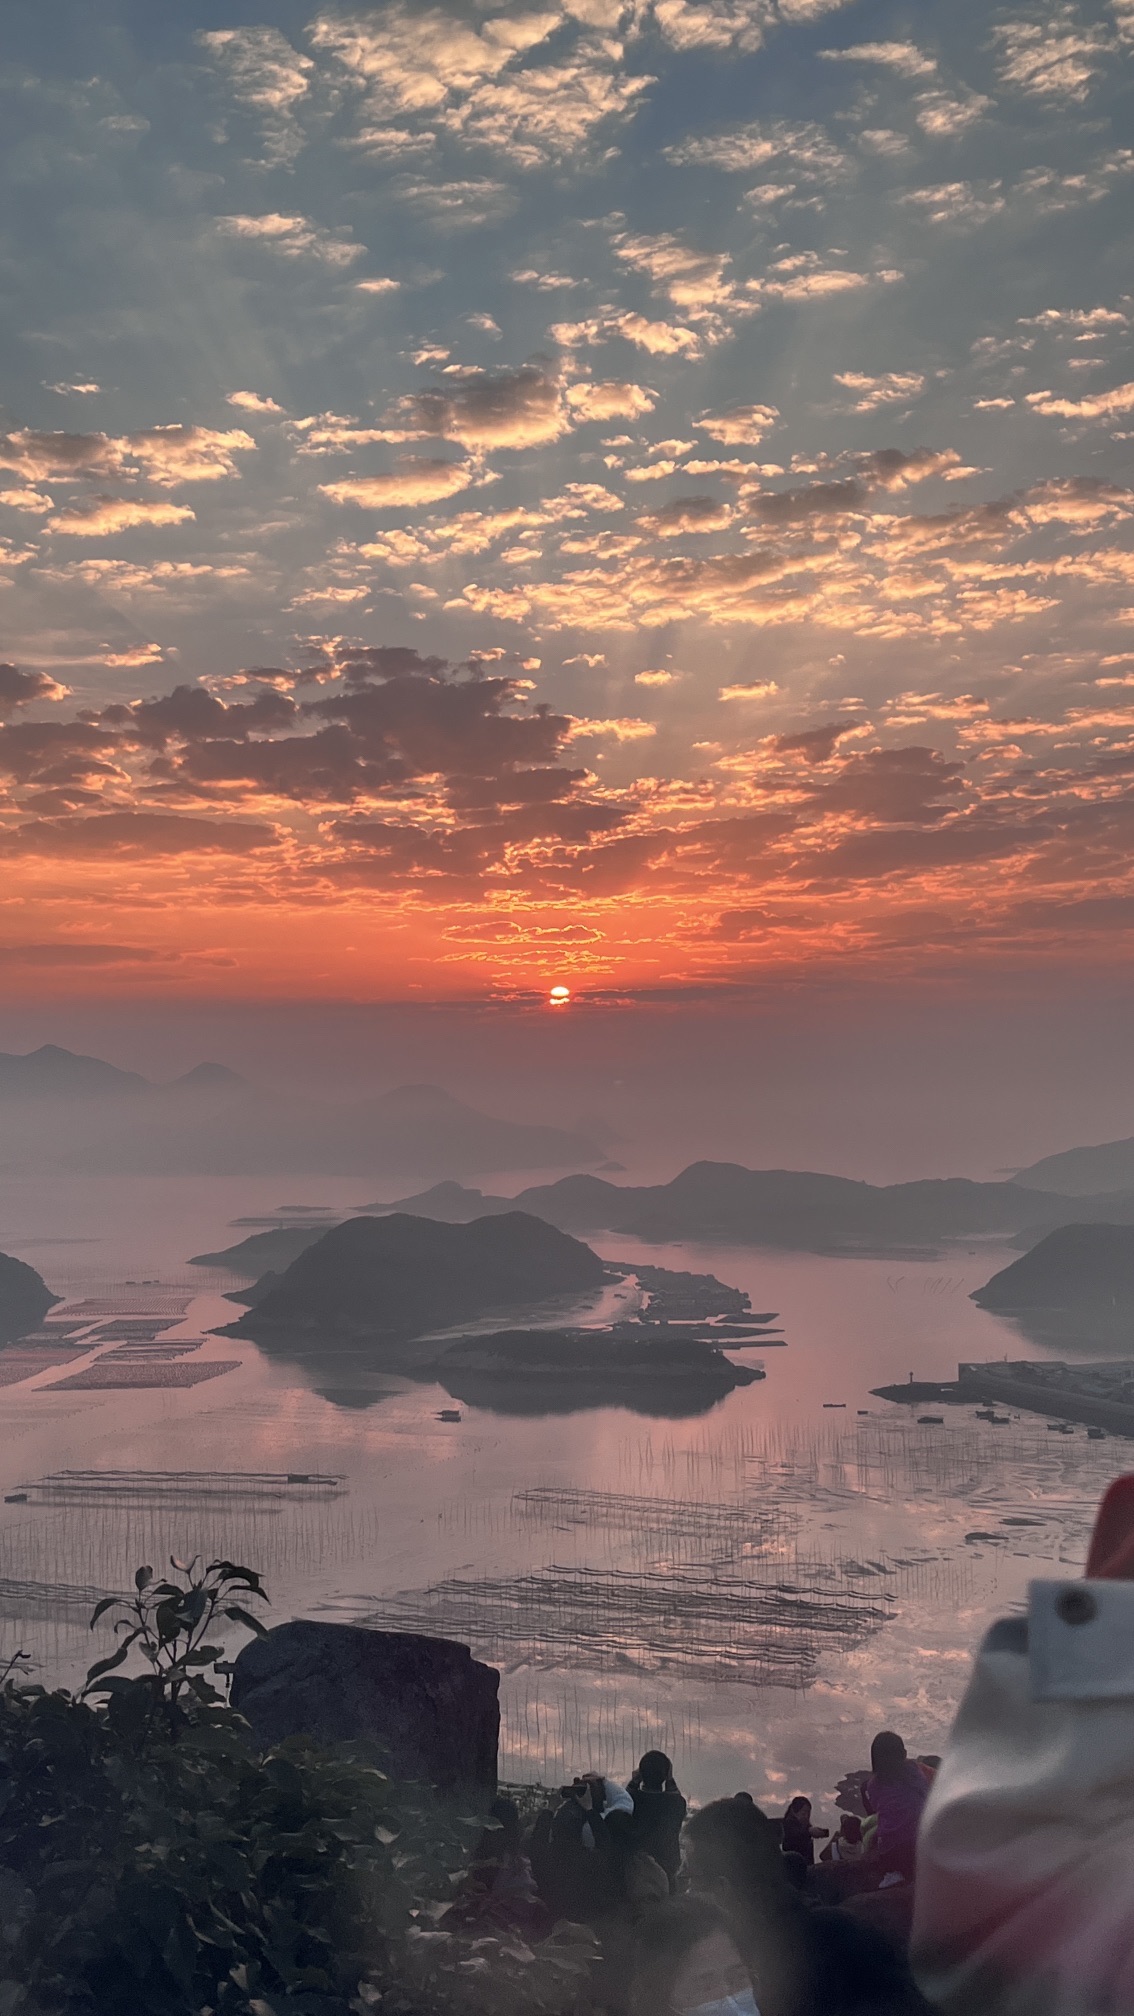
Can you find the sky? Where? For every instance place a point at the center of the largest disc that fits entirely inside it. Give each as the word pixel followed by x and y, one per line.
pixel 628 496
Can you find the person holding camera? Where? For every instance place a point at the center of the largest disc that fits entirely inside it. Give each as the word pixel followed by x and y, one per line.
pixel 659 1812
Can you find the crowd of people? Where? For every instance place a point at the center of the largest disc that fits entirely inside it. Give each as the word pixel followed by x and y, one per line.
pixel 726 1911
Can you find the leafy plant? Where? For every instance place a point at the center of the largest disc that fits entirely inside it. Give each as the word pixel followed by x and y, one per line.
pixel 170 1624
pixel 154 1863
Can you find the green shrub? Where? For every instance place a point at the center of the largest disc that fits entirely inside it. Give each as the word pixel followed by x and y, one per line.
pixel 153 1863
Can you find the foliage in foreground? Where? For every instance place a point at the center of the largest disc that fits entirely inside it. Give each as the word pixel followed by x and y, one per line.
pixel 153 1863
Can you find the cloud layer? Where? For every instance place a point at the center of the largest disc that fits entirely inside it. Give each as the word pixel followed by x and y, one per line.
pixel 653 471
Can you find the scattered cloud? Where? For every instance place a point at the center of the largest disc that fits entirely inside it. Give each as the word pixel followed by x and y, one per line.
pixel 80 957
pixel 1093 406
pixel 945 115
pixel 687 514
pixel 457 206
pixel 958 203
pixel 803 276
pixel 168 456
pixel 133 835
pixel 102 516
pixel 268 77
pixel 414 479
pixel 741 426
pixel 659 339
pixel 802 150
pixel 903 57
pixel 20 688
pixel 253 402
pixel 293 237
pixel 889 388
pixel 1054 55
pixel 482 409
pixel 510 83
pixel 610 399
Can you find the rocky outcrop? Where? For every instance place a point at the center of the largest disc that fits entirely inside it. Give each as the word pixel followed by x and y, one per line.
pixel 25 1299
pixel 426 1702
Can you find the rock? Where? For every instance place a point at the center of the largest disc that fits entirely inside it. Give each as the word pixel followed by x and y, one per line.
pixel 426 1701
pixel 25 1299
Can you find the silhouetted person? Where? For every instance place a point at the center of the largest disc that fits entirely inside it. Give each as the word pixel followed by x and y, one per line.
pixel 659 1812
pixel 572 1855
pixel 896 1792
pixel 799 1836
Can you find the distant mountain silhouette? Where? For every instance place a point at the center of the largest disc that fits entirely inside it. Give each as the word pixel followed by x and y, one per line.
pixel 208 1078
pixel 52 1073
pixel 379 1280
pixel 1110 1208
pixel 263 1252
pixel 65 1112
pixel 25 1299
pixel 794 1210
pixel 1076 1268
pixel 1080 1172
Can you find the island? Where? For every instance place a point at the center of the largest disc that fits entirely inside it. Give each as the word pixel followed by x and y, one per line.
pixel 25 1299
pixel 376 1300
pixel 388 1280
pixel 1076 1284
pixel 566 1371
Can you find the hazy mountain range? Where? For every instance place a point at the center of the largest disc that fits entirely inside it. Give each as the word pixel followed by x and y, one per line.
pixel 79 1114
pixel 1081 1172
pixel 52 1073
pixel 724 1204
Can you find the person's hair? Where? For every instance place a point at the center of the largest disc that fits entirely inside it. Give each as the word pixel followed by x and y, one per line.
pixel 653 1770
pixel 851 1827
pixel 795 1805
pixel 663 1940
pixel 887 1755
pixel 736 1849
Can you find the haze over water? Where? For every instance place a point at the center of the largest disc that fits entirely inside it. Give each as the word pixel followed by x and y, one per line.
pixel 757 1587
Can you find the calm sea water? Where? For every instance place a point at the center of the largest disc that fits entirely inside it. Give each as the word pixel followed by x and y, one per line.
pixel 757 1589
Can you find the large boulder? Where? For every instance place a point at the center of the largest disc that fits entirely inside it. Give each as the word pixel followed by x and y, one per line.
pixel 426 1702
